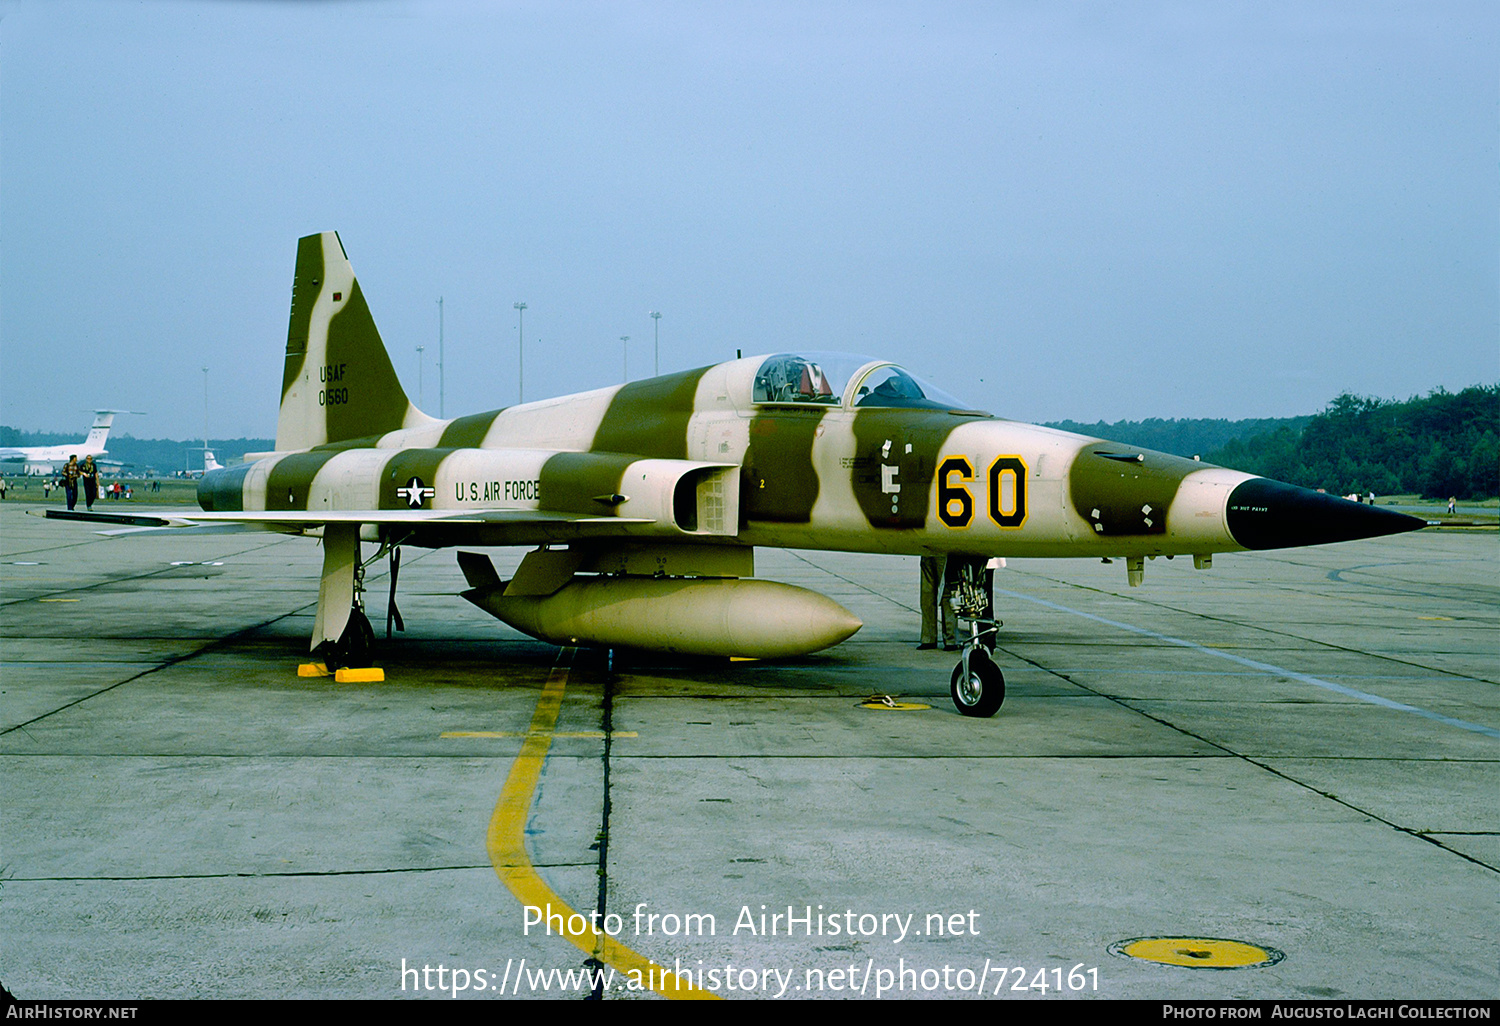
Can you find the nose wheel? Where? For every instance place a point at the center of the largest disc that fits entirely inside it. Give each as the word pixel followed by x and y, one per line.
pixel 978 686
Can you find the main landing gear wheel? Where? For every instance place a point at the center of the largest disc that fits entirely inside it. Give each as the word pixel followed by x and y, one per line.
pixel 978 686
pixel 356 646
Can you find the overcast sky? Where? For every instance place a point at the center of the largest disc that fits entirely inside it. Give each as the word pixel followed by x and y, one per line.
pixel 1052 209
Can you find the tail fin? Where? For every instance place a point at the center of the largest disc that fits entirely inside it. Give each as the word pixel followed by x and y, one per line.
pixel 338 383
pixel 103 419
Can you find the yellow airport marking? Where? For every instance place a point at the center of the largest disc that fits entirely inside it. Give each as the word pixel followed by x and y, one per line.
pixel 889 704
pixel 57 600
pixel 597 735
pixel 506 841
pixel 313 670
pixel 1434 618
pixel 350 675
pixel 1199 952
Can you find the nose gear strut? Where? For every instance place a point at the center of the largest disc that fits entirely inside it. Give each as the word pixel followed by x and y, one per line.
pixel 977 686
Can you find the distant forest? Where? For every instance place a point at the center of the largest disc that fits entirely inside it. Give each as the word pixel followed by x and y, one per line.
pixel 1447 443
pixel 1182 437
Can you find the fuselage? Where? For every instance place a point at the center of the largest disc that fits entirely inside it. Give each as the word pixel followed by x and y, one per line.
pixel 811 471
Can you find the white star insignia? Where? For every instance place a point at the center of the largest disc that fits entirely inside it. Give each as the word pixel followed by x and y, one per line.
pixel 415 492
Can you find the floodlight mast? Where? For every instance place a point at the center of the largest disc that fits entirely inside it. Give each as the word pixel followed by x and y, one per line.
pixel 520 351
pixel 656 327
pixel 205 419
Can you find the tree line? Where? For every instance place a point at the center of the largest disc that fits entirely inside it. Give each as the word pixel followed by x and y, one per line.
pixel 1446 443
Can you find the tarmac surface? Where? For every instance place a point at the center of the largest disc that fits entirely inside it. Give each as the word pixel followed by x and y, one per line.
pixel 1298 750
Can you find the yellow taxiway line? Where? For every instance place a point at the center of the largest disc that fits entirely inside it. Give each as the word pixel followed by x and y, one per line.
pixel 594 734
pixel 506 842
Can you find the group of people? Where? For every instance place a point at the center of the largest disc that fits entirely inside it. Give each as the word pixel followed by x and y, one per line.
pixel 77 475
pixel 86 474
pixel 941 576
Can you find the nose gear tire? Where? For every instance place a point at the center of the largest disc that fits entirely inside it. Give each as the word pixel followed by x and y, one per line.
pixel 982 691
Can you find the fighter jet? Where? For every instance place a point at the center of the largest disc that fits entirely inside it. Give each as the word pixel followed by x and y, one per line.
pixel 44 459
pixel 643 503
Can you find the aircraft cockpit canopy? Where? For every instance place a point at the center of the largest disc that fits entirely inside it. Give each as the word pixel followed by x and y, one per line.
pixel 833 379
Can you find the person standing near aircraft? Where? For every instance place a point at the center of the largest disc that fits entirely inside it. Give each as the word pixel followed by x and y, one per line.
pixel 70 476
pixel 2 489
pixel 90 476
pixel 937 589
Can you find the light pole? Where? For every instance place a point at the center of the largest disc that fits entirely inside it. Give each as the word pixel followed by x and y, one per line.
pixel 520 351
pixel 625 358
pixel 205 420
pixel 656 317
pixel 420 403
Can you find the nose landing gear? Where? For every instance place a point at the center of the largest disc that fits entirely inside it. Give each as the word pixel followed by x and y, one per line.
pixel 977 686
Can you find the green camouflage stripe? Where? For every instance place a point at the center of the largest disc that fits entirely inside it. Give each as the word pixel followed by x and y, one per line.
pixel 307 281
pixel 571 481
pixel 925 432
pixel 777 481
pixel 468 432
pixel 291 477
pixel 223 490
pixel 371 399
pixel 290 480
pixel 404 465
pixel 1128 496
pixel 650 418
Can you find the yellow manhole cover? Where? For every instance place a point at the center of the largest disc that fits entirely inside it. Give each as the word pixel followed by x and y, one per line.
pixel 1197 952
pixel 889 704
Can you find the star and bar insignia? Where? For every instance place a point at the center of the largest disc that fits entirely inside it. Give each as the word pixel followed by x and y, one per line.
pixel 415 492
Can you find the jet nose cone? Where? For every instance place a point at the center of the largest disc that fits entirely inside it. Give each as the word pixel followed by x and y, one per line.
pixel 1266 514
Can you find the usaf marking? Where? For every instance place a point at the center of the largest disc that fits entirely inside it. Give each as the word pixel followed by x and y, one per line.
pixel 498 491
pixel 329 373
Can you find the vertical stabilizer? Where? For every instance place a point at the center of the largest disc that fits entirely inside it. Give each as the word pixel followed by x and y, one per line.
pixel 99 433
pixel 338 383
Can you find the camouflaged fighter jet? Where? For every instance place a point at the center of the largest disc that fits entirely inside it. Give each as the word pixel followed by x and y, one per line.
pixel 644 502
